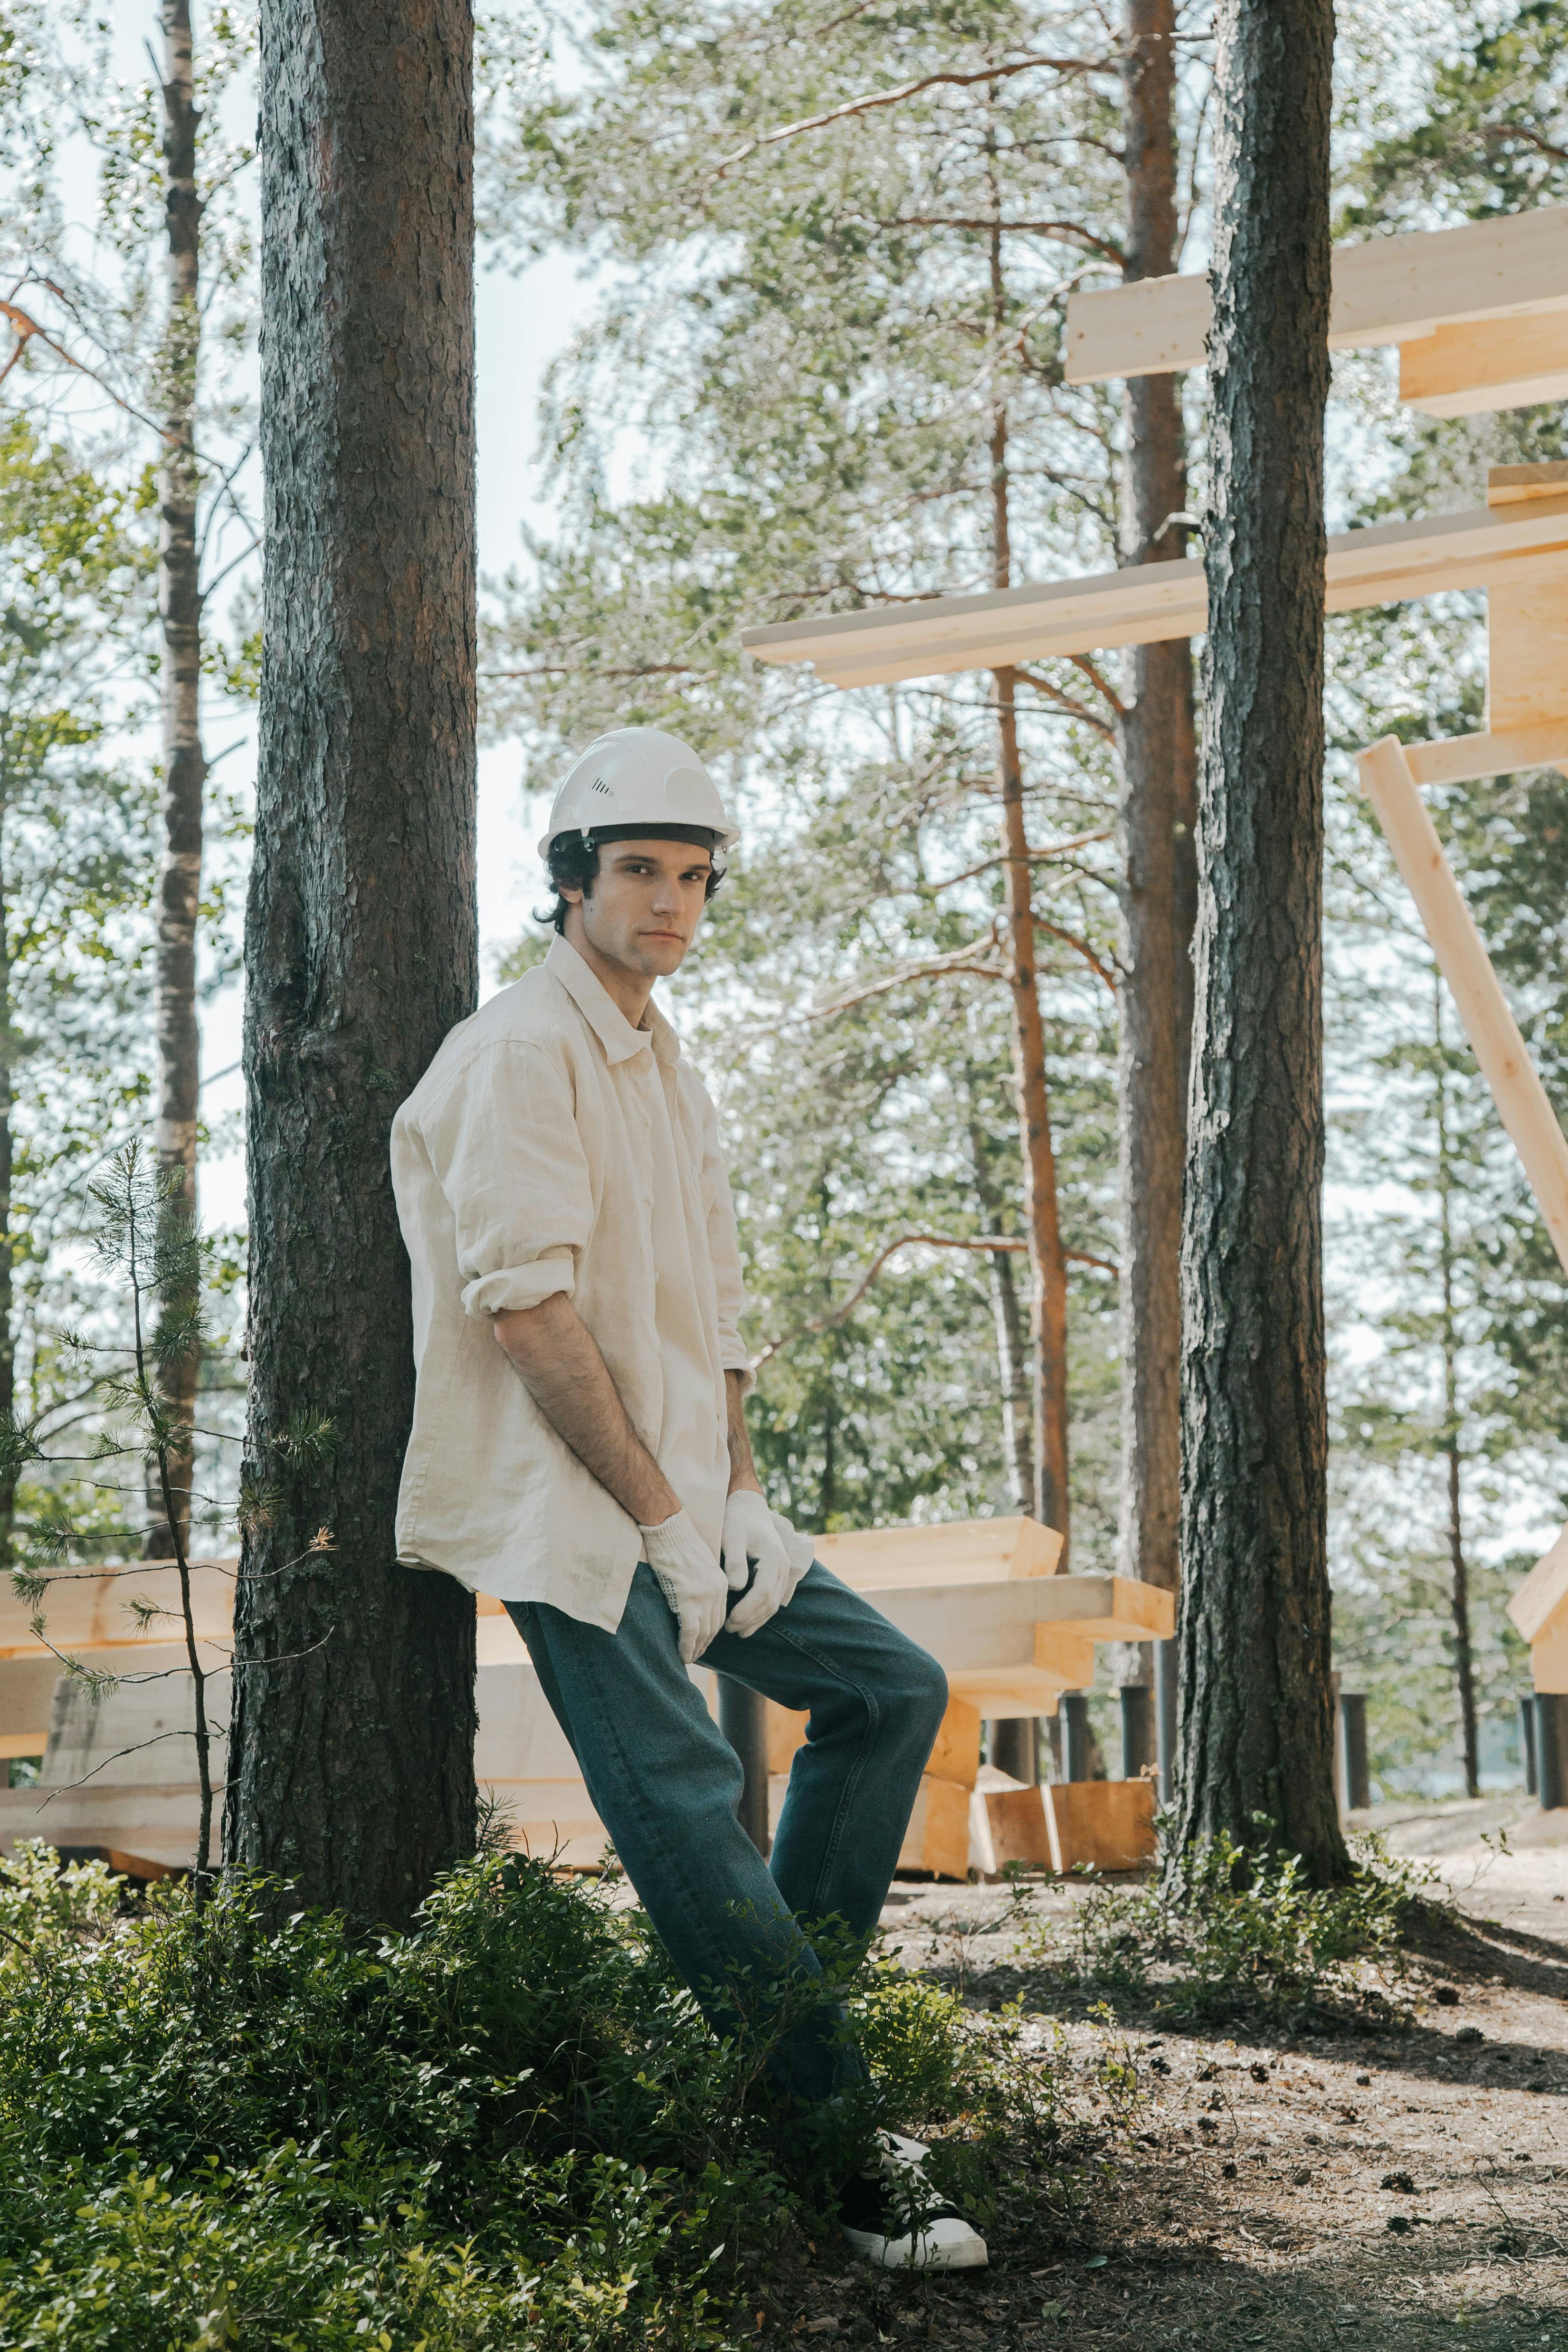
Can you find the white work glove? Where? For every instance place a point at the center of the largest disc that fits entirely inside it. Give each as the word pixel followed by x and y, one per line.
pixel 753 1535
pixel 691 1580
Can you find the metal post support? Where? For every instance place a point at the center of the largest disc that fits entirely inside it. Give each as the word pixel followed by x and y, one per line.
pixel 1527 1742
pixel 1138 1728
pixel 742 1719
pixel 1011 1747
pixel 1355 1778
pixel 1552 1749
pixel 1166 1716
pixel 1075 1727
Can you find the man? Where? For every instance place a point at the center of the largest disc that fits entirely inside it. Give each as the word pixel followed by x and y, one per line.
pixel 580 1449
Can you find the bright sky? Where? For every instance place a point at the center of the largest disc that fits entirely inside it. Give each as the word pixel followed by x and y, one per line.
pixel 522 322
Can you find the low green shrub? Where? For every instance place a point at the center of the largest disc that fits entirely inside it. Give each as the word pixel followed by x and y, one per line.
pixel 511 2127
pixel 1226 1932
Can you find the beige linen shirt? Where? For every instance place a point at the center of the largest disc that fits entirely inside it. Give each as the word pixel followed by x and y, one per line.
pixel 552 1147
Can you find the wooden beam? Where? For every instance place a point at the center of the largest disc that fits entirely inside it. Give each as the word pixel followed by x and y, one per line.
pixel 1461 758
pixel 1109 1608
pixel 1512 485
pixel 1392 290
pixel 1150 602
pixel 1496 364
pixel 958 1551
pixel 1527 652
pixel 1520 1099
pixel 1542 1592
pixel 84 1612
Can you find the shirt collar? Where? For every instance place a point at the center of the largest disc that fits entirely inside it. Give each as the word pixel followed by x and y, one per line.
pixel 603 1016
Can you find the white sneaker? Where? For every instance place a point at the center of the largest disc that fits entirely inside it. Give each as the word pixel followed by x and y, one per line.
pixel 878 2209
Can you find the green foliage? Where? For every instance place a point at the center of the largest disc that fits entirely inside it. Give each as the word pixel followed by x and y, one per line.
pixel 1226 1932
pixel 805 356
pixel 508 2126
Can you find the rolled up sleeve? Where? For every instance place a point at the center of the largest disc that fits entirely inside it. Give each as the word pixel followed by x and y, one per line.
pixel 723 1251
pixel 503 1145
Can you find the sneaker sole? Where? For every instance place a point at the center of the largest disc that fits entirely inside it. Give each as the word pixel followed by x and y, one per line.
pixel 901 2255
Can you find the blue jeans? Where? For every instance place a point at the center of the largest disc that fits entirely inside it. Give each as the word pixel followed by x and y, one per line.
pixel 666 1784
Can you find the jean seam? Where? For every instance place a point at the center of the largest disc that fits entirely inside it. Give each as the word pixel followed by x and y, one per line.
pixel 853 1776
pixel 671 1860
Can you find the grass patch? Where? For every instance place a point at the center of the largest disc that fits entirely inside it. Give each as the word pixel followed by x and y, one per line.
pixel 510 2126
pixel 1226 1932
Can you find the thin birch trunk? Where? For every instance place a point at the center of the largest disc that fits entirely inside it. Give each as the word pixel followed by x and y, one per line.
pixel 179 883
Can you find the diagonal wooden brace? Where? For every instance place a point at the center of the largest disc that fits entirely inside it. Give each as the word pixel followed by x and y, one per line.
pixel 1520 1099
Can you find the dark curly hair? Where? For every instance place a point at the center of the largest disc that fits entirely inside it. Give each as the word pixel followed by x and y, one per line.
pixel 574 859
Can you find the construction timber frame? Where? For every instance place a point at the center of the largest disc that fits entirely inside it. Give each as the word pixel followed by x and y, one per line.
pixel 1462 304
pixel 1479 314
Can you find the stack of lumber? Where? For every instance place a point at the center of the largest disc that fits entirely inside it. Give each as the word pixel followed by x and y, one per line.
pixel 983 1596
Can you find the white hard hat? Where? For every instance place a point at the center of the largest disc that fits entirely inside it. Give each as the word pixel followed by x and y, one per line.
pixel 638 775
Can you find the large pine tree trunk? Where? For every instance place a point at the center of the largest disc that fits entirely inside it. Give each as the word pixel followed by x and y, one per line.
pixel 179 885
pixel 1158 811
pixel 1257 1716
pixel 352 1756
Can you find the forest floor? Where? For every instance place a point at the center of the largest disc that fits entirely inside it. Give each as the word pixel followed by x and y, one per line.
pixel 1379 2190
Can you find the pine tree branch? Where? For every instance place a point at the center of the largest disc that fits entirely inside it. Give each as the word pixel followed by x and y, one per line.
pixel 963 960
pixel 988 1243
pixel 1079 947
pixel 1012 228
pixel 1067 66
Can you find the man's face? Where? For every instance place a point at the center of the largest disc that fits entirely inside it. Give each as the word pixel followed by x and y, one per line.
pixel 645 907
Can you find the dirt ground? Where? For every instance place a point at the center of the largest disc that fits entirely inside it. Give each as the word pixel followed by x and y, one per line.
pixel 1389 2192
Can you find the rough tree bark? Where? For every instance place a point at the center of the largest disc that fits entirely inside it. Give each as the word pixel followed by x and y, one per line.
pixel 1158 814
pixel 1256 1719
pixel 178 890
pixel 352 1755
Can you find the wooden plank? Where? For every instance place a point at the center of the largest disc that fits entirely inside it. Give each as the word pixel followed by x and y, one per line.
pixel 988 1625
pixel 1501 364
pixel 938 1838
pixel 156 1825
pixel 1018 1831
pixel 982 1551
pixel 1003 1693
pixel 1109 1608
pixel 1390 290
pixel 1543 1591
pixel 84 1612
pixel 956 1753
pixel 26 1694
pixel 1520 1099
pixel 498 1642
pixel 1549 1655
pixel 1100 1824
pixel 1512 485
pixel 1148 604
pixel 1527 653
pixel 1461 758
